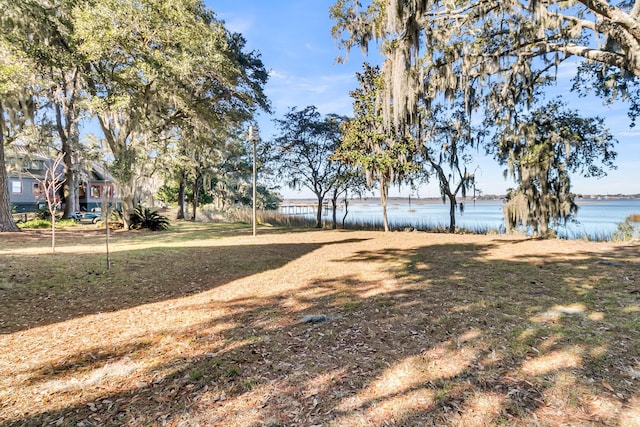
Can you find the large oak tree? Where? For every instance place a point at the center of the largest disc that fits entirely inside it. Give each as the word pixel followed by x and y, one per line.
pixel 155 65
pixel 146 69
pixel 503 48
pixel 16 110
pixel 42 31
pixel 447 137
pixel 496 54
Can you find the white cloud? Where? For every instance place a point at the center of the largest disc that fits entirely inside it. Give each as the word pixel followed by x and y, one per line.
pixel 315 49
pixel 328 92
pixel 630 134
pixel 275 74
pixel 568 69
pixel 237 23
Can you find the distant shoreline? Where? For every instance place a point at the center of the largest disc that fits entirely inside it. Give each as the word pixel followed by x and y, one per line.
pixel 597 218
pixel 430 200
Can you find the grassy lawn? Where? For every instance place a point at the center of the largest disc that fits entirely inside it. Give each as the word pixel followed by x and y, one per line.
pixel 202 326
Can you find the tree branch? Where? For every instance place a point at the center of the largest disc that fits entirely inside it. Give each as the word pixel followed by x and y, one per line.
pixel 627 21
pixel 607 57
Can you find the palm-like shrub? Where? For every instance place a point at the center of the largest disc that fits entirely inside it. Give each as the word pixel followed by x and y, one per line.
pixel 115 220
pixel 144 217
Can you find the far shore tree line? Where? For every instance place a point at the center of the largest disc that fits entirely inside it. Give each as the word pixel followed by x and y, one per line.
pixel 172 91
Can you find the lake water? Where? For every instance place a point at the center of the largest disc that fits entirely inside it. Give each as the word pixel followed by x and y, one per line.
pixel 596 217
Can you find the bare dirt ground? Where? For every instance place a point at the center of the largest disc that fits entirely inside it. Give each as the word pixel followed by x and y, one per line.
pixel 202 326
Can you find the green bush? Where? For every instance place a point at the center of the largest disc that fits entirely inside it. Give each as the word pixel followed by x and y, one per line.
pixel 626 231
pixel 115 220
pixel 38 223
pixel 144 217
pixel 42 212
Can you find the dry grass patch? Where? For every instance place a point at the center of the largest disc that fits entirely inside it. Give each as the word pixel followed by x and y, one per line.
pixel 201 325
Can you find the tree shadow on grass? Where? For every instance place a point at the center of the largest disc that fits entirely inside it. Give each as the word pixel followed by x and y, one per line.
pixel 455 339
pixel 38 291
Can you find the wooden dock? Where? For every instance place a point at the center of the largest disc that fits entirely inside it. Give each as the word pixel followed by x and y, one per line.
pixel 302 208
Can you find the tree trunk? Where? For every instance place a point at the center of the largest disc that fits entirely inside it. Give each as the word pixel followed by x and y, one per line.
pixel 70 186
pixel 6 218
pixel 452 213
pixel 53 232
pixel 334 206
pixel 53 212
pixel 346 211
pixel 121 142
pixel 384 193
pixel 196 196
pixel 69 133
pixel 181 186
pixel 128 206
pixel 319 211
pixel 544 226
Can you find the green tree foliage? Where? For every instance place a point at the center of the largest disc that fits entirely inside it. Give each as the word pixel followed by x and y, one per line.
pixel 214 167
pixel 151 71
pixel 349 181
pixel 386 157
pixel 42 32
pixel 16 111
pixel 302 152
pixel 541 151
pixel 611 84
pixel 626 231
pixel 218 170
pixel 204 154
pixel 156 65
pixel 448 136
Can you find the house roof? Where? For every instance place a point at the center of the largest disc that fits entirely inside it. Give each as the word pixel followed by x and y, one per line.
pixel 100 172
pixel 20 150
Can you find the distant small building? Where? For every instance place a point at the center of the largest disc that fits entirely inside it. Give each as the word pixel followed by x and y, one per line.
pixel 26 173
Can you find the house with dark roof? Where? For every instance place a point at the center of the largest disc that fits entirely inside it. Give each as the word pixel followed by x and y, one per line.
pixel 26 172
pixel 25 177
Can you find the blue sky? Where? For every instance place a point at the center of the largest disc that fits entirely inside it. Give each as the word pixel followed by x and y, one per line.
pixel 294 38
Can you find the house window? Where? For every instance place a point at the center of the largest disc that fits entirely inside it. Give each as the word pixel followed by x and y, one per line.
pixel 16 186
pixel 95 191
pixel 35 165
pixel 37 189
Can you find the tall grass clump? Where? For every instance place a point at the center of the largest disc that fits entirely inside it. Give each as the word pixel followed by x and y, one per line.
pixel 627 230
pixel 211 214
pixel 588 236
pixel 431 227
pixel 268 217
pixel 364 225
